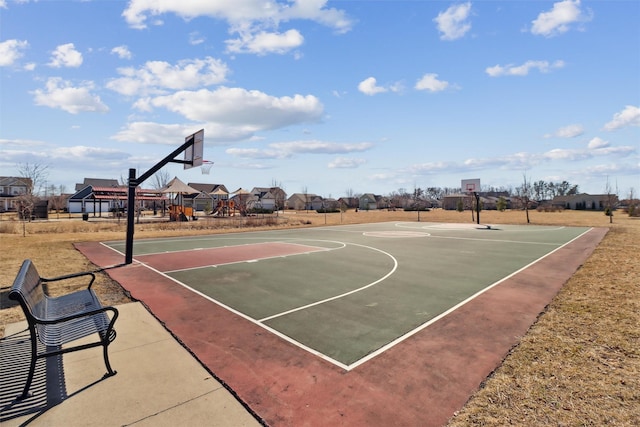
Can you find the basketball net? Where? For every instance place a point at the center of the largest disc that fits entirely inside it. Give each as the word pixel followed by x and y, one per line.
pixel 206 167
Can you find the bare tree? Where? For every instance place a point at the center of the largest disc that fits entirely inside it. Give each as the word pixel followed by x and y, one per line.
pixel 37 173
pixel 57 199
pixel 161 179
pixel 524 193
pixel 611 201
pixel 34 175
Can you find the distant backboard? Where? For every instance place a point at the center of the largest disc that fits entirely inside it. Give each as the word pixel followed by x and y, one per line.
pixel 193 153
pixel 470 185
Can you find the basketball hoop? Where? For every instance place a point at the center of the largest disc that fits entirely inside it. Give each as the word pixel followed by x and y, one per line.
pixel 205 167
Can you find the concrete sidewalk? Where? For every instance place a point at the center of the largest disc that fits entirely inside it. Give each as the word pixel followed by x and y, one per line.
pixel 158 382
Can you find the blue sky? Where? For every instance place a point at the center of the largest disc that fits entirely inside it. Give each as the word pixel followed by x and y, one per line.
pixel 328 97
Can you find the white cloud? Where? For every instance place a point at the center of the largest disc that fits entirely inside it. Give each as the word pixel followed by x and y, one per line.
pixel 559 19
pixel 369 86
pixel 630 116
pixel 320 147
pixel 430 167
pixel 61 94
pixel 264 42
pixel 28 143
pixel 256 21
pixel 195 38
pixel 83 153
pixel 11 51
pixel 227 114
pixel 154 77
pixel 65 55
pixel 257 153
pixel 597 143
pixel 122 51
pixel 281 150
pixel 523 70
pixel 597 148
pixel 154 133
pixel 254 110
pixel 452 23
pixel 431 83
pixel 570 131
pixel 345 163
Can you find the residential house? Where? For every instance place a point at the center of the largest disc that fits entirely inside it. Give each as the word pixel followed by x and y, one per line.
pixel 452 201
pixel 584 201
pixel 206 201
pixel 300 201
pixel 269 198
pixel 11 188
pixel 98 182
pixel 370 201
pixel 349 202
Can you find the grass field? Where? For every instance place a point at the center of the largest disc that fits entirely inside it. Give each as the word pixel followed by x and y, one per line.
pixel 579 364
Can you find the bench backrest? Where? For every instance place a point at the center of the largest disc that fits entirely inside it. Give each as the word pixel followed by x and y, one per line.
pixel 28 290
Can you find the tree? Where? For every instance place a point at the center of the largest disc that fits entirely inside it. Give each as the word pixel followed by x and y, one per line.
pixel 634 205
pixel 34 175
pixel 37 173
pixel 501 204
pixel 279 195
pixel 57 199
pixel 611 200
pixel 524 193
pixel 161 179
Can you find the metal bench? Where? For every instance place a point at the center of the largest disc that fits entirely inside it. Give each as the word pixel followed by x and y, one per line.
pixel 56 321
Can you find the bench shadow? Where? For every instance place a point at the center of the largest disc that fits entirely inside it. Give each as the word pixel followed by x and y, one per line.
pixel 48 388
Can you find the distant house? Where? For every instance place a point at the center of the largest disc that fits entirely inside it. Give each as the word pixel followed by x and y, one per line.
pixel 269 198
pixel 451 202
pixel 349 202
pixel 206 200
pixel 98 182
pixel 584 201
pixel 370 201
pixel 11 188
pixel 300 201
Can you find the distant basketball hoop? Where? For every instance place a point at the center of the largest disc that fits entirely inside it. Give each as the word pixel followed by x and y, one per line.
pixel 470 186
pixel 205 167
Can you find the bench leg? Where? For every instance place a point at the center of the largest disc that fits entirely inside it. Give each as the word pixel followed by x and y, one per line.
pixel 32 369
pixel 110 372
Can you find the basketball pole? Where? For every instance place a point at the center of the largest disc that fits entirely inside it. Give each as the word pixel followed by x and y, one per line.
pixel 135 182
pixel 477 206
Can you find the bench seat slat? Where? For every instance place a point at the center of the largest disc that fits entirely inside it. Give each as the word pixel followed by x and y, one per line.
pixel 71 330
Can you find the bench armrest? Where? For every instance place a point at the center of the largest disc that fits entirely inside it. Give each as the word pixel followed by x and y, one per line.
pixel 71 276
pixel 79 315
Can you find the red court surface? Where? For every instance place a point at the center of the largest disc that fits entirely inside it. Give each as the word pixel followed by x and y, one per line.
pixel 421 381
pixel 226 255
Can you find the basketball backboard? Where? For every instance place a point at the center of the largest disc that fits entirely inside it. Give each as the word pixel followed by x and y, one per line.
pixel 470 185
pixel 193 153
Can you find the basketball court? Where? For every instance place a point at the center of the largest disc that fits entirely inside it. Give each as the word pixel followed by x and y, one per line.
pixel 373 324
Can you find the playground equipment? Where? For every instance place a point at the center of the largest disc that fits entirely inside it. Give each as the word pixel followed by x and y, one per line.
pixel 180 213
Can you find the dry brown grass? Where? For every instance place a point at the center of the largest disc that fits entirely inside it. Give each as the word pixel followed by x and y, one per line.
pixel 578 365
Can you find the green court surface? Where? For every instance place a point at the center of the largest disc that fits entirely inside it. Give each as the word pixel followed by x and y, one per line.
pixel 347 293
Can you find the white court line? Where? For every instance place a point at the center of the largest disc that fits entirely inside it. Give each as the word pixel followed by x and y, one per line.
pixel 253 260
pixel 250 319
pixel 454 308
pixel 381 349
pixel 395 267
